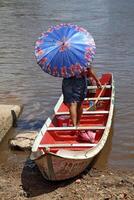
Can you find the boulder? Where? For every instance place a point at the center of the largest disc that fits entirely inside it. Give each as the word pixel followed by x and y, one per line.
pixel 23 140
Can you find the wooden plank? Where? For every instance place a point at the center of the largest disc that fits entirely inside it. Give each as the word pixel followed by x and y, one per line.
pixel 66 145
pixel 95 87
pixel 85 112
pixel 75 128
pixel 95 98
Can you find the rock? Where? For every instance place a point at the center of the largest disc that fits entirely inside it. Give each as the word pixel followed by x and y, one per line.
pixel 122 195
pixel 23 141
pixel 78 181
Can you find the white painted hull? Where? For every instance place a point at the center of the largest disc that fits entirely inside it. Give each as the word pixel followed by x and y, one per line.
pixel 57 168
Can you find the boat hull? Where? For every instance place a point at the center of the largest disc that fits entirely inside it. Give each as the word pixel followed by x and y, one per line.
pixel 58 159
pixel 56 168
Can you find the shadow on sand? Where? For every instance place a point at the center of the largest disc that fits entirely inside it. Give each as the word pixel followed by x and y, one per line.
pixel 34 184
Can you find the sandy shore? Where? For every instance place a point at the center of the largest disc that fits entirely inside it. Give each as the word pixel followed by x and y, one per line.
pixel 24 181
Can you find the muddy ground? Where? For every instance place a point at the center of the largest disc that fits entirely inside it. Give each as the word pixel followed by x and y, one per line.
pixel 24 181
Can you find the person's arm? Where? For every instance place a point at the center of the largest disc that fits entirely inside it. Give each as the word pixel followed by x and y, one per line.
pixel 92 74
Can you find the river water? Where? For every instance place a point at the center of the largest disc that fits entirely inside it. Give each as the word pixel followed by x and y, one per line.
pixel 111 23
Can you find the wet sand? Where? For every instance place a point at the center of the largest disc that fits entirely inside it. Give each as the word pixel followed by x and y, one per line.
pixel 24 181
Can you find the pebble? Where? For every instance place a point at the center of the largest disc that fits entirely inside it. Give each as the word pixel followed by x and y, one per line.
pixel 83 189
pixel 122 195
pixel 78 181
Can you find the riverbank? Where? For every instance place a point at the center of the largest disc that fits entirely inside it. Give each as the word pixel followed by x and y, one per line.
pixel 23 181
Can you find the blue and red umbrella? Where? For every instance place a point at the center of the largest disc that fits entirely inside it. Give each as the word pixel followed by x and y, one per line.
pixel 65 50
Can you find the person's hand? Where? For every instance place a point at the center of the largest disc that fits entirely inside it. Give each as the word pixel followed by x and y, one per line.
pixel 98 83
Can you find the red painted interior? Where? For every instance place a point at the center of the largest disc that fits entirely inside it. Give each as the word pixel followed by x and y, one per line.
pixel 70 136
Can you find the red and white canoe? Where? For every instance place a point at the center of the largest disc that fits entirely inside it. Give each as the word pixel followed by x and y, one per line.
pixel 57 151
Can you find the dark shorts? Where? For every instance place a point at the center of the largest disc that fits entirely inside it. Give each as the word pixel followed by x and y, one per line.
pixel 74 89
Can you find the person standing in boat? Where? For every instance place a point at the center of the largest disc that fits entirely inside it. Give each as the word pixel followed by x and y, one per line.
pixel 74 91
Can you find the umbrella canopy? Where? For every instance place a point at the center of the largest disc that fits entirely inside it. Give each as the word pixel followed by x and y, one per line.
pixel 65 50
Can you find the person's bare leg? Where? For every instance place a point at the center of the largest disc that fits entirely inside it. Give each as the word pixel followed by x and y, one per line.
pixel 73 112
pixel 79 112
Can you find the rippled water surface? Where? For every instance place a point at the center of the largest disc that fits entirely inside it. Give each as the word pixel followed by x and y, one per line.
pixel 22 81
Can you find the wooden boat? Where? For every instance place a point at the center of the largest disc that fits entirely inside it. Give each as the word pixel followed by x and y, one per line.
pixel 57 151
